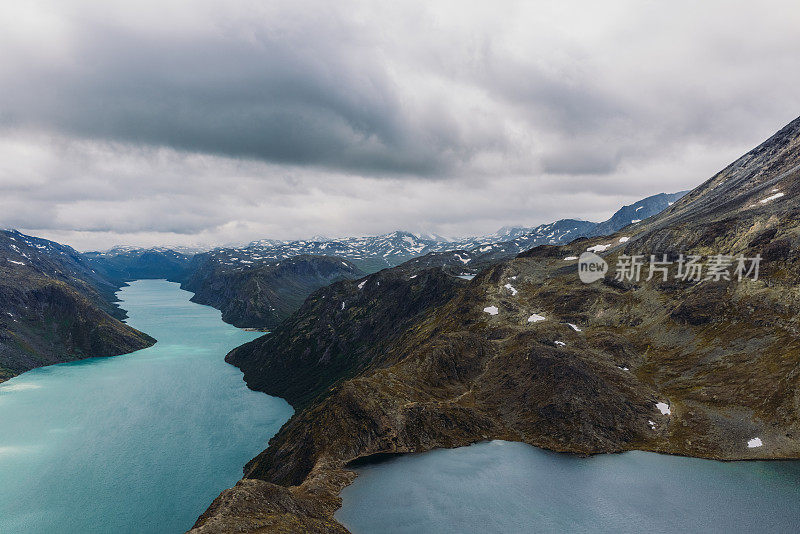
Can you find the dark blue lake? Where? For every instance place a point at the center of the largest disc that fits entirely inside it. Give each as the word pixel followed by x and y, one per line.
pixel 502 487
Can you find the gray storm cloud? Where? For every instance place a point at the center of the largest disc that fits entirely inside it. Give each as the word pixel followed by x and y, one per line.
pixel 313 90
pixel 219 121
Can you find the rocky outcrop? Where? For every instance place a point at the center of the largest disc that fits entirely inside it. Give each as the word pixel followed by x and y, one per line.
pixel 258 506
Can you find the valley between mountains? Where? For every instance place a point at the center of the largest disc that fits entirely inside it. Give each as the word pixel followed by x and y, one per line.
pixel 404 343
pixel 58 304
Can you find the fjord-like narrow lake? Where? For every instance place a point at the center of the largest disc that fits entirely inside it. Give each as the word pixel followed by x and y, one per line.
pixel 502 487
pixel 136 443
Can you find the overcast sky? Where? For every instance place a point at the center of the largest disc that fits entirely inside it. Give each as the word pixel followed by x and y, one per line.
pixel 164 122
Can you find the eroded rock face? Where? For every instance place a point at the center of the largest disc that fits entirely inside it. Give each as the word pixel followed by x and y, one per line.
pixel 679 367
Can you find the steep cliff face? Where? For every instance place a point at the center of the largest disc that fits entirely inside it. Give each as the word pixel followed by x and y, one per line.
pixel 54 307
pixel 262 296
pixel 527 352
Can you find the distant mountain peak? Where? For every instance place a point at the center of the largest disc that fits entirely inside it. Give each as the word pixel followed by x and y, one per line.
pixel 432 236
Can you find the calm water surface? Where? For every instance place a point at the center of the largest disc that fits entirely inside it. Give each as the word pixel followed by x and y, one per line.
pixel 502 487
pixel 136 443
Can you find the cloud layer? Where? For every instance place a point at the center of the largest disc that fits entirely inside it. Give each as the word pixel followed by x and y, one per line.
pixel 224 121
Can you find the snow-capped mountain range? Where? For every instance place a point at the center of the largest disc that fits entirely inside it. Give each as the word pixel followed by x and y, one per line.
pixel 377 252
pixel 129 249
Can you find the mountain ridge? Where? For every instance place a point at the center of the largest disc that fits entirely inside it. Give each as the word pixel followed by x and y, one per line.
pixel 526 352
pixel 373 253
pixel 218 277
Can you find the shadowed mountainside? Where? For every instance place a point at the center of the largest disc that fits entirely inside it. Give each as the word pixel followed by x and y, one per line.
pixel 313 355
pixel 54 307
pixel 124 264
pixel 263 295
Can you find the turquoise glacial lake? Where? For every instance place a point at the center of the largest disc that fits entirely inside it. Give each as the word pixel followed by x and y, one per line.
pixel 502 487
pixel 137 443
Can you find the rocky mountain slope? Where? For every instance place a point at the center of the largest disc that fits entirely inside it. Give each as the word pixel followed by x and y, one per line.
pixel 313 355
pixel 262 295
pixel 565 230
pixel 55 307
pixel 706 367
